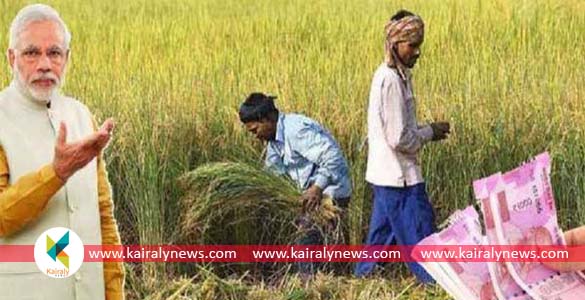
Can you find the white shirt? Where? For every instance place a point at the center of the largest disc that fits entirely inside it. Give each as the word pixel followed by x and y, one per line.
pixel 393 134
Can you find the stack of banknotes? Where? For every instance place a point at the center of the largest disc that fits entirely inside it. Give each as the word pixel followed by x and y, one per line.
pixel 518 209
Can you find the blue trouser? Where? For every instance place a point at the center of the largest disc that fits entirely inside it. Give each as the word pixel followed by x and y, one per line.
pixel 400 216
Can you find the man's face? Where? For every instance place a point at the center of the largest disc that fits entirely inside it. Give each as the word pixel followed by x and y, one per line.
pixel 264 130
pixel 409 52
pixel 39 59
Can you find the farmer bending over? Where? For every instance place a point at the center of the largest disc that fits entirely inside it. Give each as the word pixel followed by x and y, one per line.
pixel 304 151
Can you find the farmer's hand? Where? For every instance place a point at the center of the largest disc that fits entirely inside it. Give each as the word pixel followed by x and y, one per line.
pixel 69 158
pixel 440 130
pixel 574 237
pixel 312 198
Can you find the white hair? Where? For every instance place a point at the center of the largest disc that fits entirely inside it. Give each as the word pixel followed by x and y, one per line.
pixel 33 13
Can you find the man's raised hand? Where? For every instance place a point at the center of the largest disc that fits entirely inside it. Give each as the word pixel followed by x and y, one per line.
pixel 69 158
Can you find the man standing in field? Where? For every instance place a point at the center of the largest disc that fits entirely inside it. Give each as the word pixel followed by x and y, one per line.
pixel 401 210
pixel 51 170
pixel 303 150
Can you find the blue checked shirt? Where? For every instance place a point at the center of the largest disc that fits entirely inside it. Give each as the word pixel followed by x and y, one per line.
pixel 309 155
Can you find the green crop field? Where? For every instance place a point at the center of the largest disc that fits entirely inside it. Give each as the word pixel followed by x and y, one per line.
pixel 508 75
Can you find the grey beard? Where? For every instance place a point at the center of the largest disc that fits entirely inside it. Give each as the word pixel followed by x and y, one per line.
pixel 29 91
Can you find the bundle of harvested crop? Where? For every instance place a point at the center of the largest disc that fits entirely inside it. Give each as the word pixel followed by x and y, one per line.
pixel 244 204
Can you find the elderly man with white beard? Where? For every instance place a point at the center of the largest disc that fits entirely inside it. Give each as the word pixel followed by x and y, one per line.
pixel 51 169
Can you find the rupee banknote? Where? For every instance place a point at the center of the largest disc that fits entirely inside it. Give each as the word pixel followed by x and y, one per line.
pixel 443 274
pixel 463 280
pixel 505 287
pixel 524 213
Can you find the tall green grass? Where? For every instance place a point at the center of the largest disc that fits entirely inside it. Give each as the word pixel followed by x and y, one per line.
pixel 508 75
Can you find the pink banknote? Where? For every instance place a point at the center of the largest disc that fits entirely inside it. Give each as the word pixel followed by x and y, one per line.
pixel 524 213
pixel 443 274
pixel 471 279
pixel 505 287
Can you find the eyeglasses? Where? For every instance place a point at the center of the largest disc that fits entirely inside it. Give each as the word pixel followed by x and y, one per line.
pixel 32 54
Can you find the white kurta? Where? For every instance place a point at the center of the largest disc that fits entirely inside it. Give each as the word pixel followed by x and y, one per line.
pixel 394 138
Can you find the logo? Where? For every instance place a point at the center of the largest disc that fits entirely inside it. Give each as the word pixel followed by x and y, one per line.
pixel 59 252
